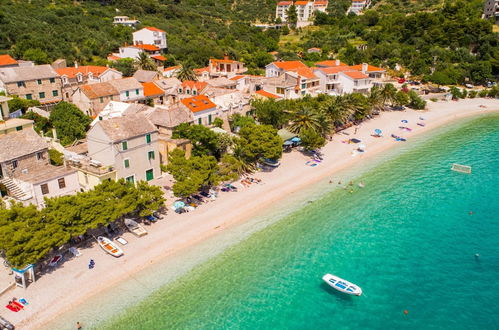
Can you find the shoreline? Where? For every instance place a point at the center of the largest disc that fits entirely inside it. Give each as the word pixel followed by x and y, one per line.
pixel 186 230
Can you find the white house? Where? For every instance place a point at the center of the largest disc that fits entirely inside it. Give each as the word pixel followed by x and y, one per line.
pixel 150 36
pixel 130 89
pixel 358 5
pixel 125 21
pixel 275 69
pixel 203 110
pixel 354 82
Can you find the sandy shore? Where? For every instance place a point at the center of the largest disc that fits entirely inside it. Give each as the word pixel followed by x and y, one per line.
pixel 72 283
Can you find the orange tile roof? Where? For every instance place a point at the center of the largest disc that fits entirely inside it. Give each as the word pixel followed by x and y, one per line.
pixel 170 68
pixel 355 74
pixel 320 3
pixel 237 77
pixel 199 85
pixel 150 48
pixel 201 70
pixel 332 70
pixel 289 65
pixel 151 89
pixel 267 94
pixel 112 57
pixel 159 57
pixel 330 63
pixel 151 28
pixel 99 90
pixel 301 3
pixel 305 72
pixel 7 60
pixel 198 103
pixel 314 48
pixel 214 60
pixel 370 68
pixel 285 3
pixel 85 70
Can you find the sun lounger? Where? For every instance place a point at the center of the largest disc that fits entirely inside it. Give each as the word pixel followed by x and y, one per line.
pixel 75 251
pixel 121 240
pixel 55 260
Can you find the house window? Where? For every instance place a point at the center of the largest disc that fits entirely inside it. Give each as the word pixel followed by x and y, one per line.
pixel 199 121
pixel 111 97
pixel 20 84
pixel 148 138
pixel 209 119
pixel 55 93
pixel 101 99
pixel 194 92
pixel 39 81
pixel 150 155
pixel 180 90
pixel 130 179
pixel 41 95
pixel 126 163
pixel 124 145
pixel 188 91
pixel 149 175
pixel 136 92
pixel 62 183
pixel 65 80
pixel 39 155
pixel 79 78
pixel 29 96
pixel 127 93
pixel 14 164
pixel 52 80
pixel 303 86
pixel 45 188
pixel 19 128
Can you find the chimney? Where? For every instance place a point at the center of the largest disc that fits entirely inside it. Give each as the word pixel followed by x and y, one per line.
pixel 337 62
pixel 364 67
pixel 226 56
pixel 76 65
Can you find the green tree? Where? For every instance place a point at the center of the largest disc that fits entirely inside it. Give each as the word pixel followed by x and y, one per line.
pixel 36 55
pixel 311 140
pixel 338 109
pixel 269 112
pixel 18 103
pixel 237 120
pixel 416 102
pixel 186 72
pixel 42 124
pixel 388 93
pixel 292 16
pixel 144 62
pixel 56 157
pixel 307 119
pixel 203 139
pixel 69 122
pixel 401 99
pixel 259 141
pixel 125 66
pixel 218 122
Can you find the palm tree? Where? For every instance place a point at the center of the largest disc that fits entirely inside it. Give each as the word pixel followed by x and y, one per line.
pixel 144 62
pixel 339 109
pixel 186 73
pixel 375 99
pixel 388 93
pixel 306 118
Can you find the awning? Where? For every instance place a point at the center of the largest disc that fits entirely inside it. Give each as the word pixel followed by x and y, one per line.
pixel 288 143
pixel 285 135
pixel 296 139
pixel 179 205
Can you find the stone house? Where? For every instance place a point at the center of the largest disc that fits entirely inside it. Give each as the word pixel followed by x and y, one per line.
pixel 39 82
pixel 129 89
pixel 128 144
pixel 26 172
pixel 92 98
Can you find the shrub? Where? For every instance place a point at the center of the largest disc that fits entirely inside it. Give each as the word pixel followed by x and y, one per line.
pixel 56 157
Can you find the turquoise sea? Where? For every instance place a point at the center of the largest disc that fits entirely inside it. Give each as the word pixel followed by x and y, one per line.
pixel 409 239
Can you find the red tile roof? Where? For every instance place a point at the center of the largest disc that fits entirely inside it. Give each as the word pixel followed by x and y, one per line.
pixel 151 28
pixel 85 70
pixel 150 48
pixel 151 89
pixel 289 65
pixel 199 85
pixel 112 57
pixel 237 77
pixel 198 103
pixel 330 63
pixel 301 3
pixel 318 3
pixel 332 70
pixel 355 74
pixel 7 60
pixel 159 57
pixel 305 72
pixel 267 94
pixel 285 3
pixel 170 68
pixel 201 70
pixel 370 68
pixel 214 60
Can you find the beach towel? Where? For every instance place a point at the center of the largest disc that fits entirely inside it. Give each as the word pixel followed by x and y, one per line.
pixel 17 304
pixel 12 308
pixel 23 301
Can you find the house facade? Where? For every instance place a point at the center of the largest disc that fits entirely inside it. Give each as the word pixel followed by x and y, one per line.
pixel 26 172
pixel 39 82
pixel 203 110
pixel 358 6
pixel 125 21
pixel 128 144
pixel 225 67
pixel 129 89
pixel 92 98
pixel 491 10
pixel 150 36
pixel 304 9
pixel 74 77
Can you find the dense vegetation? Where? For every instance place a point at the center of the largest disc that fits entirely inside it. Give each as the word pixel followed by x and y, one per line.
pixel 27 234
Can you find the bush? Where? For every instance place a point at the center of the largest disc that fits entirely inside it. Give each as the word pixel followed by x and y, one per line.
pixel 218 122
pixel 434 99
pixel 483 93
pixel 472 94
pixel 416 101
pixel 56 157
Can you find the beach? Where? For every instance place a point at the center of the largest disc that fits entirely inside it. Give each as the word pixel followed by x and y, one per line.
pixel 72 282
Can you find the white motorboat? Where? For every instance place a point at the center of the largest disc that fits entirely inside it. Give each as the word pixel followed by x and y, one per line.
pixel 107 245
pixel 342 285
pixel 135 228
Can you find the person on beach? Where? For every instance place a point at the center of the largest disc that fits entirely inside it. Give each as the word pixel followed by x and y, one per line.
pixel 78 325
pixel 355 132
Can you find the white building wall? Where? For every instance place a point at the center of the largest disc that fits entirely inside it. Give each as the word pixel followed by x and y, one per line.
pixel 148 37
pixel 129 52
pixel 72 187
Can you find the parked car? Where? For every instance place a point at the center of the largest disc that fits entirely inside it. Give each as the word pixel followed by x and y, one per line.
pixel 468 85
pixel 401 80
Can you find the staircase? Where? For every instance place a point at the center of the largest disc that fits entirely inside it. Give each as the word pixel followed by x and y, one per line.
pixel 13 189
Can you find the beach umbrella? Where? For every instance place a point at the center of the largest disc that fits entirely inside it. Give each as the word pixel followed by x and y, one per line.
pixel 288 143
pixel 179 205
pixel 296 139
pixel 377 131
pixel 404 121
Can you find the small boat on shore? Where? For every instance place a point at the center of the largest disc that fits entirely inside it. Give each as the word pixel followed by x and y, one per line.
pixel 107 245
pixel 135 228
pixel 342 285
